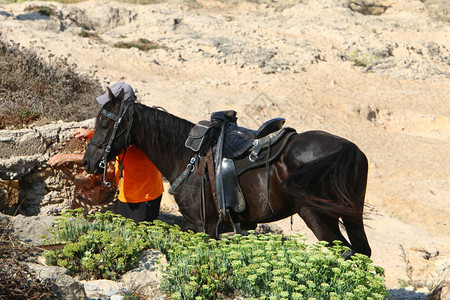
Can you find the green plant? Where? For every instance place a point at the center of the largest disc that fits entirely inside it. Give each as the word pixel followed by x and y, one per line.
pixel 132 297
pixel 268 267
pixel 84 34
pixel 99 246
pixel 361 60
pixel 87 34
pixel 403 284
pixel 42 10
pixel 27 116
pixel 253 266
pixel 45 11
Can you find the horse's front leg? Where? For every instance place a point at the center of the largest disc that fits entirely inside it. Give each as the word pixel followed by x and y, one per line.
pixel 209 215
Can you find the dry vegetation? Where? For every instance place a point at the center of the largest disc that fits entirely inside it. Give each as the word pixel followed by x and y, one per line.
pixel 17 282
pixel 141 44
pixel 33 89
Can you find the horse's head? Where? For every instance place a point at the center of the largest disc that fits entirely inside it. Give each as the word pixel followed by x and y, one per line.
pixel 112 133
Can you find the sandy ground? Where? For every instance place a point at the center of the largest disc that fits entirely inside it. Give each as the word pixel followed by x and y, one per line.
pixel 295 60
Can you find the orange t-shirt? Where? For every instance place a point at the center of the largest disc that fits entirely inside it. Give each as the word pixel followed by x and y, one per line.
pixel 141 180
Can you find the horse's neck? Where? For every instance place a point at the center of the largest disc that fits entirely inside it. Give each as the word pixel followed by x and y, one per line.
pixel 170 162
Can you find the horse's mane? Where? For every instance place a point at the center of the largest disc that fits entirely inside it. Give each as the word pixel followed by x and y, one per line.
pixel 163 128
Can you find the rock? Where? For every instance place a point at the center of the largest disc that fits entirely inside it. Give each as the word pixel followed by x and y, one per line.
pixel 25 149
pixel 438 280
pixel 269 228
pixel 102 289
pixel 100 18
pixel 9 193
pixel 423 290
pixel 144 280
pixel 15 167
pixel 367 7
pixel 438 9
pixel 26 175
pixel 63 285
pixel 146 277
pixel 30 229
pixel 407 293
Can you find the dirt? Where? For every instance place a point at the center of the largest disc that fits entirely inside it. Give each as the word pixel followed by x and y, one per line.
pixel 381 81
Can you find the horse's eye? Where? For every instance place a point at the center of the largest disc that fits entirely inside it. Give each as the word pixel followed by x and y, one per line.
pixel 104 123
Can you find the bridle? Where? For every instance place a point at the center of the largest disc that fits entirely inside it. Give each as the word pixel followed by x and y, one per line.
pixel 124 106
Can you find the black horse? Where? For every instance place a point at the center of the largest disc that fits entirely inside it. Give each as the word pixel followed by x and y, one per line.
pixel 320 176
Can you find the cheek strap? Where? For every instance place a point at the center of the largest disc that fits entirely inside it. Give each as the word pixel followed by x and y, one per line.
pixel 117 120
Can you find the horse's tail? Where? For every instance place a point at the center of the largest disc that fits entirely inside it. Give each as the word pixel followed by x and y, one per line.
pixel 333 185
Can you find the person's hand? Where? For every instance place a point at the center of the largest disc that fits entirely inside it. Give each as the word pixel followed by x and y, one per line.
pixel 61 158
pixel 83 134
pixel 58 159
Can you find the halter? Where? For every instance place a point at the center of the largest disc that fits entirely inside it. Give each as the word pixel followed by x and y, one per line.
pixel 117 120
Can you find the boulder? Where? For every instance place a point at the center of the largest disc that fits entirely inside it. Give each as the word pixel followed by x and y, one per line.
pixel 31 229
pixel 146 277
pixel 63 286
pixel 102 289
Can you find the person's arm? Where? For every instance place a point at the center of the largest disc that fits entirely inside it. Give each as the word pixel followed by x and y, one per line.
pixel 83 134
pixel 61 158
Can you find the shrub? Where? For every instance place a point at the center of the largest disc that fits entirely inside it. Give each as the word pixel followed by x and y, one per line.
pixel 362 60
pixel 33 89
pixel 98 246
pixel 141 44
pixel 253 266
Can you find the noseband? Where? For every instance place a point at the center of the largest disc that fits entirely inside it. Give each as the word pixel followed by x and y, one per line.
pixel 124 106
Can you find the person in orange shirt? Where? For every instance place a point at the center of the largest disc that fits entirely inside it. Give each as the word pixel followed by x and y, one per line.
pixel 141 186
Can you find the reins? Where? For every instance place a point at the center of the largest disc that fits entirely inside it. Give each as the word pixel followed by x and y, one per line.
pixel 124 106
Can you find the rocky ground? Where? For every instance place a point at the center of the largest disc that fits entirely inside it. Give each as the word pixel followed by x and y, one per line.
pixel 375 72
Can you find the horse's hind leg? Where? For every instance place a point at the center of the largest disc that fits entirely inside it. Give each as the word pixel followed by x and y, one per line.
pixel 327 229
pixel 358 237
pixel 324 228
pixel 355 229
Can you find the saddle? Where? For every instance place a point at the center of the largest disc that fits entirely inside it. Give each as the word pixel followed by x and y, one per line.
pixel 236 150
pixel 236 140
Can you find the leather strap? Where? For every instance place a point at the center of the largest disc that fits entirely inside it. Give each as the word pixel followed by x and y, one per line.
pixel 207 161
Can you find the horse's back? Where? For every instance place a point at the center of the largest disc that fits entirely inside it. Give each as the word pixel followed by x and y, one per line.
pixel 308 146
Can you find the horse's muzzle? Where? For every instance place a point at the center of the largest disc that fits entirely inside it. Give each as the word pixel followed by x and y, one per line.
pixel 89 167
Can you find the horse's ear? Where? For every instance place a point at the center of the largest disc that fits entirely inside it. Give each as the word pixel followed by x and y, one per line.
pixel 110 95
pixel 121 95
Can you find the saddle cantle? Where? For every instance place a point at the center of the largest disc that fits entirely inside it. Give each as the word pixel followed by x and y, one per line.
pixel 238 140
